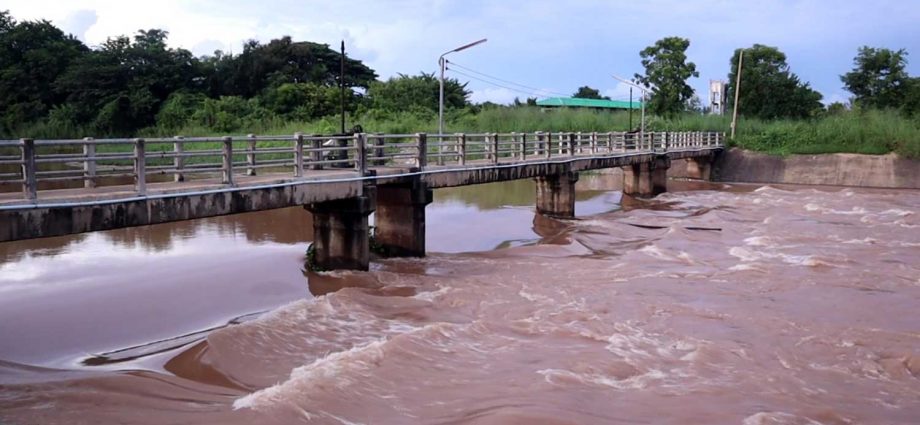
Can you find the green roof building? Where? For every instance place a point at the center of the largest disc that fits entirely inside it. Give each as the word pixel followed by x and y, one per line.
pixel 575 102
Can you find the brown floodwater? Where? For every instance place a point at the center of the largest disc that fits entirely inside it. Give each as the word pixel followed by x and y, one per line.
pixel 736 304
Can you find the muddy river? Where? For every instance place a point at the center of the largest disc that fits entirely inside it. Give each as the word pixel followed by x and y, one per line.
pixel 714 303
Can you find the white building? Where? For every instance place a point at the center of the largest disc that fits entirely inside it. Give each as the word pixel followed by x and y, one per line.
pixel 717 97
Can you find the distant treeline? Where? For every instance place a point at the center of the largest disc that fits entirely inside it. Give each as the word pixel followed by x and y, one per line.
pixel 53 86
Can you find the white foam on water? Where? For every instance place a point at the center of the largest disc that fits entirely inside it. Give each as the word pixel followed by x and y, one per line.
pixel 749 256
pixel 776 418
pixel 635 382
pixel 656 252
pixel 329 370
pixel 758 241
pixel 432 295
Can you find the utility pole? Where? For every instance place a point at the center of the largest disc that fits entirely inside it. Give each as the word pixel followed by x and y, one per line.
pixel 737 90
pixel 630 110
pixel 442 63
pixel 342 84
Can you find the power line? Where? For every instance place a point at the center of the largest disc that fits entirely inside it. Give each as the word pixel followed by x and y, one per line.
pixel 529 90
pixel 528 93
pixel 505 81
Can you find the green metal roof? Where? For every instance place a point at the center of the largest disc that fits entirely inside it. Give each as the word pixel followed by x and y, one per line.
pixel 588 103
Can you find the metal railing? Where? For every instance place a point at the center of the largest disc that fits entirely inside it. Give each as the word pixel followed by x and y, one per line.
pixel 105 162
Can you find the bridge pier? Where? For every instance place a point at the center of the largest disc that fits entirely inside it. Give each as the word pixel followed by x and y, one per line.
pixel 699 168
pixel 556 194
pixel 646 179
pixel 340 232
pixel 400 218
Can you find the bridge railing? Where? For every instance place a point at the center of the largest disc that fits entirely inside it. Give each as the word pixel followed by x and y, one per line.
pixel 35 165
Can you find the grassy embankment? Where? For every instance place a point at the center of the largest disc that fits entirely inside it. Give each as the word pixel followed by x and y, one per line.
pixel 866 132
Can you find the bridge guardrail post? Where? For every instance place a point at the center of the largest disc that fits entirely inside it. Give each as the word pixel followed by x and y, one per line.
pixel 538 143
pixel 361 154
pixel 251 155
pixel 523 151
pixel 178 159
pixel 140 167
pixel 227 156
pixel 440 150
pixel 573 141
pixel 316 155
pixel 29 183
pixel 549 145
pixel 89 163
pixel 461 148
pixel 378 149
pixel 594 142
pixel 422 141
pixel 298 154
pixel 494 148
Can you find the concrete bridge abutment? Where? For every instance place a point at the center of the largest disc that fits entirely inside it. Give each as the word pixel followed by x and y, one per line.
pixel 646 179
pixel 340 232
pixel 400 219
pixel 556 194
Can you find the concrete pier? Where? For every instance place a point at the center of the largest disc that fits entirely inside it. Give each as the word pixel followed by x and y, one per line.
pixel 646 179
pixel 400 218
pixel 699 168
pixel 340 232
pixel 556 194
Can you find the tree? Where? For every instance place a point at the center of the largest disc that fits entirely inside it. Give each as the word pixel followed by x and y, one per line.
pixel 416 93
pixel 879 78
pixel 32 56
pixel 768 89
pixel 585 92
pixel 120 87
pixel 666 74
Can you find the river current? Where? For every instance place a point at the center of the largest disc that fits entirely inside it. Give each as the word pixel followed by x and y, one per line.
pixel 713 303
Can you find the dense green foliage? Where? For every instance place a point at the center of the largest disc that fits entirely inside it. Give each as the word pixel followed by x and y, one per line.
pixel 769 89
pixel 585 92
pixel 879 78
pixel 53 86
pixel 666 73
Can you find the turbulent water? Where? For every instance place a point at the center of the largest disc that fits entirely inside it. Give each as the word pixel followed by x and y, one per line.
pixel 726 304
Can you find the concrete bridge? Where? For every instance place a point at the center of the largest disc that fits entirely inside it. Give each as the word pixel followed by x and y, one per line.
pixel 85 185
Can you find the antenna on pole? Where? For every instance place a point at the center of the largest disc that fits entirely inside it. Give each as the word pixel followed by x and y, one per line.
pixel 342 84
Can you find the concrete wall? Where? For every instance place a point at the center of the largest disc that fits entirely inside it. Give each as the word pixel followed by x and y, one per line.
pixel 884 171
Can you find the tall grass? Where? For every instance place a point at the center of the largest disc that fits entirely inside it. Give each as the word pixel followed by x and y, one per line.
pixel 866 132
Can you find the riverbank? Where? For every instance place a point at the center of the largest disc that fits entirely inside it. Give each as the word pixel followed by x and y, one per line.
pixel 838 169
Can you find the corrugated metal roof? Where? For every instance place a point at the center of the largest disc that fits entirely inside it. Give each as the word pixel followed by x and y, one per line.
pixel 588 103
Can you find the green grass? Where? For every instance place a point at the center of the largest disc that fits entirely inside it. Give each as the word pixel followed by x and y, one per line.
pixel 867 132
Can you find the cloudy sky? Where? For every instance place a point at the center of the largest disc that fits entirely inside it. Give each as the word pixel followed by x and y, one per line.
pixel 536 47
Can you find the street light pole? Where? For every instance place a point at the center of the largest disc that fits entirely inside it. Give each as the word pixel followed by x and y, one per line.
pixel 442 63
pixel 642 102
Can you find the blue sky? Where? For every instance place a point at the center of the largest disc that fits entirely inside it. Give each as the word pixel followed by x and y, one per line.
pixel 550 46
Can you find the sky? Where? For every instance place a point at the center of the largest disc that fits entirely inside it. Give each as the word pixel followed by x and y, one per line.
pixel 535 48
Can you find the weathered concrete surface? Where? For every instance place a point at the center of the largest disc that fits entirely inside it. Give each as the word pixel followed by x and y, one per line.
pixel 400 219
pixel 887 171
pixel 340 232
pixel 118 206
pixel 556 194
pixel 63 220
pixel 647 179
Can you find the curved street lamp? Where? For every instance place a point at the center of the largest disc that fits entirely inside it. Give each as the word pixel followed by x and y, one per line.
pixel 645 92
pixel 442 62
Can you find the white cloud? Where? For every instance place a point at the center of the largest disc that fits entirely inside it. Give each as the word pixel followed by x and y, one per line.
pixel 495 95
pixel 539 43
